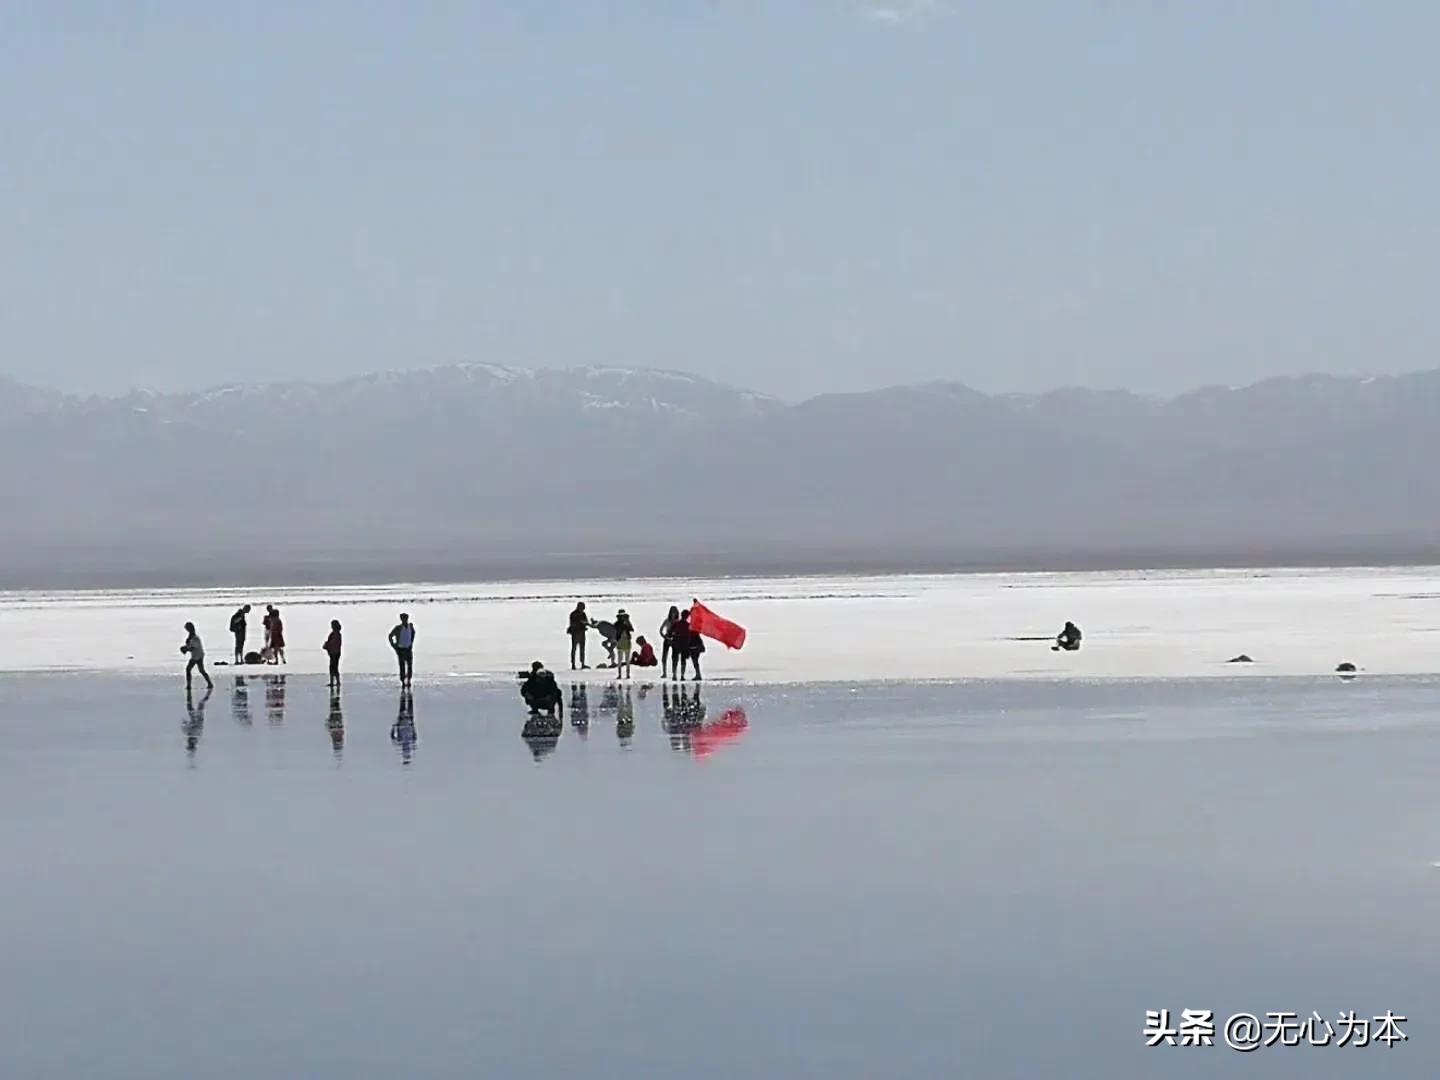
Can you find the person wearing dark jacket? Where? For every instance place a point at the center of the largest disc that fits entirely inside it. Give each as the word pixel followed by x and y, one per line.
pixel 1069 639
pixel 238 628
pixel 541 692
pixel 685 645
pixel 667 638
pixel 332 649
pixel 579 627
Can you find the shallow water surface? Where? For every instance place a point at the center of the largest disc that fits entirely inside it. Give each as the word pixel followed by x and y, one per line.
pixel 897 880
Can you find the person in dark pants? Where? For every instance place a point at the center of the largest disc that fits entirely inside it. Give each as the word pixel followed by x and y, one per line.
pixel 667 639
pixel 238 628
pixel 579 627
pixel 402 640
pixel 1069 638
pixel 194 648
pixel 332 649
pixel 541 692
pixel 679 644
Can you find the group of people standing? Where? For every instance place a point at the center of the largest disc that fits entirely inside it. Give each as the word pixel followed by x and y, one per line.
pixel 680 645
pixel 401 639
pixel 273 651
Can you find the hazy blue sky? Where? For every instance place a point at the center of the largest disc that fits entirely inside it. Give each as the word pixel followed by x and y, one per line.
pixel 794 195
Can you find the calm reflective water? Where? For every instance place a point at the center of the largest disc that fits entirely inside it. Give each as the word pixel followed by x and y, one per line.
pixel 988 879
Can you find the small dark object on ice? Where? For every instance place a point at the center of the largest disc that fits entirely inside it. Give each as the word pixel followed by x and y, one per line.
pixel 1345 668
pixel 1241 659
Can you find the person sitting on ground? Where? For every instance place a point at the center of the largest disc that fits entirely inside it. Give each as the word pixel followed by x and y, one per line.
pixel 646 656
pixel 541 692
pixel 1069 639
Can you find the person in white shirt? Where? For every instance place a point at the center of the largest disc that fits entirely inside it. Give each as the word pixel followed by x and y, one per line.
pixel 402 640
pixel 195 649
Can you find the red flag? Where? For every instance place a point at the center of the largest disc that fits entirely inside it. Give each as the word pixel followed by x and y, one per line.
pixel 704 621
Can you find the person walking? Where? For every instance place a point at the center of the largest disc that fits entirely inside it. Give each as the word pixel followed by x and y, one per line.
pixel 402 640
pixel 239 628
pixel 578 628
pixel 332 649
pixel 195 649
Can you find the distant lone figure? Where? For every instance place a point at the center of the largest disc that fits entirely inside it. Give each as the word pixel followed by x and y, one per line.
pixel 332 647
pixel 1069 639
pixel 238 628
pixel 195 649
pixel 402 640
pixel 579 627
pixel 541 692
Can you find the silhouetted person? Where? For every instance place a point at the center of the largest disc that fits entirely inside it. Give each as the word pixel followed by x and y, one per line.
pixel 195 649
pixel 239 628
pixel 335 724
pixel 403 733
pixel 541 692
pixel 267 651
pixel 277 636
pixel 402 640
pixel 1069 639
pixel 578 628
pixel 686 646
pixel 194 720
pixel 624 643
pixel 667 639
pixel 240 702
pixel 332 647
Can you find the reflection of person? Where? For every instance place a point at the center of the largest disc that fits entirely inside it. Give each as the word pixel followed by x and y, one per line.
pixel 579 705
pixel 195 649
pixel 240 702
pixel 403 733
pixel 402 640
pixel 332 647
pixel 275 699
pixel 335 723
pixel 625 717
pixel 541 692
pixel 194 720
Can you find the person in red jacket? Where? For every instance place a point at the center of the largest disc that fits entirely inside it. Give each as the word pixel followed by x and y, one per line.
pixel 646 655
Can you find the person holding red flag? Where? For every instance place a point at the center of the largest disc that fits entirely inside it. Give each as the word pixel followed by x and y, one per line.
pixel 706 622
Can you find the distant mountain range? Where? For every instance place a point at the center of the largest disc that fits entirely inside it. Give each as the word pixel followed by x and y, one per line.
pixel 482 470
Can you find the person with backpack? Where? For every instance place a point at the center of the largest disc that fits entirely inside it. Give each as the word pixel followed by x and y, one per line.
pixel 239 628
